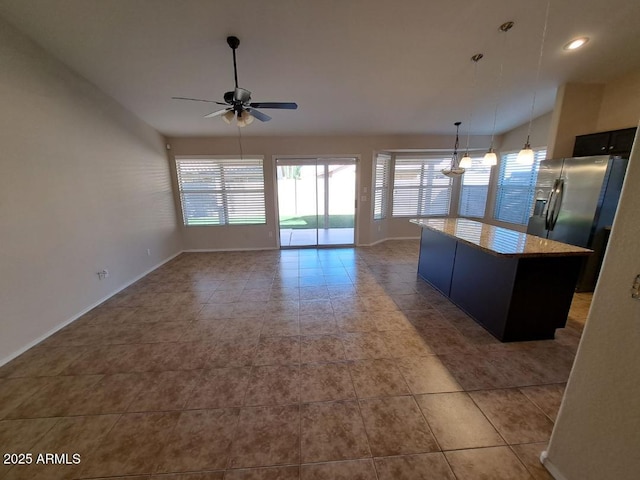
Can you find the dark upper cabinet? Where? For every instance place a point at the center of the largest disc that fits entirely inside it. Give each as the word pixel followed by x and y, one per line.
pixel 615 142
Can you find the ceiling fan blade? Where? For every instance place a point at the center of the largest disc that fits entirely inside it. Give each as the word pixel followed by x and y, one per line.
pixel 197 100
pixel 263 117
pixel 217 113
pixel 281 105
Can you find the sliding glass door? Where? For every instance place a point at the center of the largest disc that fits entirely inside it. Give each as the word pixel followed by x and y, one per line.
pixel 316 201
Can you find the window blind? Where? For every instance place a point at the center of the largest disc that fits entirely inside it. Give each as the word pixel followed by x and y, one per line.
pixel 381 186
pixel 516 188
pixel 221 191
pixel 419 188
pixel 474 189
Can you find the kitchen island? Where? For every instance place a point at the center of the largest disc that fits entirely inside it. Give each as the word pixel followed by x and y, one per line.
pixel 518 286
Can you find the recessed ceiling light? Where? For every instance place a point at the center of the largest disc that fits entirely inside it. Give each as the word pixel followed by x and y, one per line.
pixel 576 43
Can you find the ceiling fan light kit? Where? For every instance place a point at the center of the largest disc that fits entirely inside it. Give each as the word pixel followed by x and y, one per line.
pixel 238 103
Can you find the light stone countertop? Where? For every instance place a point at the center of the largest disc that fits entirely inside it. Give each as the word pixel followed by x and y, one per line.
pixel 497 240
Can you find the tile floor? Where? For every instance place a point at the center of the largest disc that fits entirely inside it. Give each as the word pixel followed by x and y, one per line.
pixel 295 364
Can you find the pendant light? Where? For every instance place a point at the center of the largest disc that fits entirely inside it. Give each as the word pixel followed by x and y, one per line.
pixel 466 161
pixel 455 170
pixel 490 158
pixel 526 155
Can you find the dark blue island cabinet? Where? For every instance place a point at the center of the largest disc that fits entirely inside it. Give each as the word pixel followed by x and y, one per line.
pixel 517 286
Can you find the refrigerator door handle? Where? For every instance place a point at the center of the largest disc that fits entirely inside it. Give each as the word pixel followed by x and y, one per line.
pixel 548 209
pixel 557 204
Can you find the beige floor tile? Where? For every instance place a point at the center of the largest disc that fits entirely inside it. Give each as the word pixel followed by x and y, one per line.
pixel 350 470
pixel 200 440
pixel 232 353
pixel 395 426
pixel 325 381
pixel 273 385
pixel 457 422
pixel 427 375
pixel 266 436
pixel 359 346
pixel 281 326
pixel 318 324
pixel 529 455
pixel 271 473
pixel 474 372
pixel 133 446
pixel 165 391
pixel 278 351
pixel 332 431
pixel 356 322
pixel 377 378
pixel 391 320
pixel 72 435
pixel 15 391
pixel 56 398
pixel 42 362
pixel 220 388
pixel 321 348
pixel 495 463
pixel 406 343
pixel 514 416
pixel 546 397
pixel 427 318
pixel 423 466
pixel 21 435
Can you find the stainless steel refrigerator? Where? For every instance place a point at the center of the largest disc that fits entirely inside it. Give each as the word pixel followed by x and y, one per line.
pixel 575 202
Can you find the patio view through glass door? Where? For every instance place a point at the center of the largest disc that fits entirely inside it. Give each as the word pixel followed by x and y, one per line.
pixel 316 201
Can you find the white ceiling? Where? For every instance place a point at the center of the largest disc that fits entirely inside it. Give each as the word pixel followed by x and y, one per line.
pixel 353 66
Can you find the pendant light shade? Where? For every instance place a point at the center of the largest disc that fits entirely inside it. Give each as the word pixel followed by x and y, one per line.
pixel 466 161
pixel 490 158
pixel 526 156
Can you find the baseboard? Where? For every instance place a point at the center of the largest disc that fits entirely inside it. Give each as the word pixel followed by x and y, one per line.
pixel 60 326
pixel 551 468
pixel 211 250
pixel 386 239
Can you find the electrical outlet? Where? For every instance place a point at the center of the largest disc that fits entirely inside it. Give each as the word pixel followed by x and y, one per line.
pixel 148 252
pixel 270 234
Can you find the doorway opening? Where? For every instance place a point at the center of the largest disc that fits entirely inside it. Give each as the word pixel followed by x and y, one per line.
pixel 316 201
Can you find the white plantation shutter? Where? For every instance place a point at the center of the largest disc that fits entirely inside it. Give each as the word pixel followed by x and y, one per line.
pixel 381 186
pixel 516 188
pixel 474 189
pixel 221 191
pixel 419 187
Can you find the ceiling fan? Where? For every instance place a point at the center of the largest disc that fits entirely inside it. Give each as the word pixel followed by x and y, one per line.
pixel 238 102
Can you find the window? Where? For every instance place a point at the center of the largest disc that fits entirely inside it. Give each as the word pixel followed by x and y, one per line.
pixel 516 188
pixel 474 189
pixel 381 186
pixel 221 191
pixel 419 188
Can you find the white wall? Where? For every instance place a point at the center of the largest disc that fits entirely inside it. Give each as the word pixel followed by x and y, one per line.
pixel 84 186
pixel 597 434
pixel 257 236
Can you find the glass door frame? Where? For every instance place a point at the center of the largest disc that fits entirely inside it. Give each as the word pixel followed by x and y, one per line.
pixel 318 160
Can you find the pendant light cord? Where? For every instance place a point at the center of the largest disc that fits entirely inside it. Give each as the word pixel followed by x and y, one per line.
pixel 500 73
pixel 240 143
pixel 476 58
pixel 535 85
